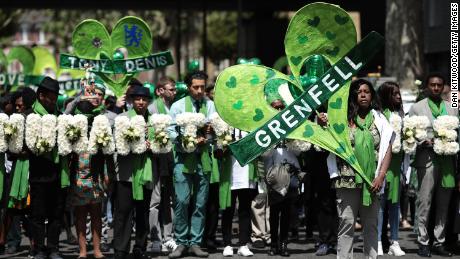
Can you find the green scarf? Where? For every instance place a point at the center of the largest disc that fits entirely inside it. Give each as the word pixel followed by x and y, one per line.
pixel 225 192
pixel 160 105
pixel 393 176
pixel 142 166
pixel 364 152
pixel 445 163
pixel 191 159
pixel 20 183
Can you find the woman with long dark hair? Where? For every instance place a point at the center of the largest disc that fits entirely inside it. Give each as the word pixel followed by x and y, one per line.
pixel 390 98
pixel 371 137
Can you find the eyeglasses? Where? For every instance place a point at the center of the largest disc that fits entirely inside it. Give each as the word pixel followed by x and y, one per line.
pixel 170 89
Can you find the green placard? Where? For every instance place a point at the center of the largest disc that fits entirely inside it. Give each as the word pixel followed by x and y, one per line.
pixel 126 66
pixel 286 121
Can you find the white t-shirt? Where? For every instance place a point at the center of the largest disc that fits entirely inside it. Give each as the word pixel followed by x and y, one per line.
pixel 240 175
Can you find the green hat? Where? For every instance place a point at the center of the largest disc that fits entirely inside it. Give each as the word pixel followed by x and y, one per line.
pixel 99 84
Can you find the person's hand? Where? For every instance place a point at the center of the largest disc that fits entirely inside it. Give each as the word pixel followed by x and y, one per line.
pixel 378 183
pixel 121 101
pixel 218 153
pixel 428 143
pixel 322 119
pixel 147 143
pixel 201 140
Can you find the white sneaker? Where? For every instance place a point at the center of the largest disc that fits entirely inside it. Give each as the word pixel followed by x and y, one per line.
pixel 170 245
pixel 155 247
pixel 379 248
pixel 244 251
pixel 228 251
pixel 396 250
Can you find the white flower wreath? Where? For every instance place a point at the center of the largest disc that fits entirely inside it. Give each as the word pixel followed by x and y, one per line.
pixel 162 142
pixel 445 141
pixel 414 132
pixel 396 123
pixel 190 122
pixel 222 129
pixel 40 133
pixel 72 134
pixel 101 136
pixel 130 135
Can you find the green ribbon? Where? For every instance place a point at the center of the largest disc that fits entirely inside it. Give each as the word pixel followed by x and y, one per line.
pixel 445 163
pixel 20 183
pixel 364 152
pixel 436 109
pixel 142 167
pixel 393 176
pixel 225 192
pixel 120 66
pixel 159 103
pixel 191 159
pixel 262 139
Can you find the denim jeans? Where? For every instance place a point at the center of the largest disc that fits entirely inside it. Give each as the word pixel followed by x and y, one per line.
pixel 393 217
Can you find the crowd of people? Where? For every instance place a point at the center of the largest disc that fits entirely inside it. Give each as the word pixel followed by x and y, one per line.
pixel 178 211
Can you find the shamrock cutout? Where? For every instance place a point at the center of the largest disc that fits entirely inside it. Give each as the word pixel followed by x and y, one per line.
pixel 131 35
pixel 21 54
pixel 324 34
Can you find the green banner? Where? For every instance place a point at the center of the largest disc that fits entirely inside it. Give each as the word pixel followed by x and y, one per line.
pixel 286 121
pixel 23 80
pixel 122 66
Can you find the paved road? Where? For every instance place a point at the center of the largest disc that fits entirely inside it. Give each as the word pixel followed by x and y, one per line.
pixel 300 249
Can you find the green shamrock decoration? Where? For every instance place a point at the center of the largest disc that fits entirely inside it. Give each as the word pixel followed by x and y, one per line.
pixel 318 35
pixel 21 54
pixel 91 40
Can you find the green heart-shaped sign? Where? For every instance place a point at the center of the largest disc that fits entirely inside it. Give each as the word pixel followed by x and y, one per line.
pixel 317 29
pixel 91 40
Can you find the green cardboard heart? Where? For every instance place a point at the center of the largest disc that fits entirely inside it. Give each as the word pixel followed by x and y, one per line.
pixel 231 83
pixel 341 19
pixel 308 131
pixel 337 104
pixel 330 35
pixel 91 40
pixel 339 128
pixel 254 80
pixel 333 52
pixel 302 39
pixel 238 105
pixel 321 19
pixel 259 115
pixel 314 22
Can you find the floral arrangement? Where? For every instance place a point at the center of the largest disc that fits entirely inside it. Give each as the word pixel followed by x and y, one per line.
pixel 414 132
pixel 72 134
pixel 298 145
pixel 445 135
pixel 101 136
pixel 14 132
pixel 162 142
pixel 190 122
pixel 40 133
pixel 222 129
pixel 130 135
pixel 396 124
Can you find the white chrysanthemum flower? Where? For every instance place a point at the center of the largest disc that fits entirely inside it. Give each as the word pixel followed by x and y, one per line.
pixel 41 133
pixel 445 141
pixel 298 145
pixel 396 124
pixel 138 146
pixel 4 121
pixel 16 140
pixel 101 136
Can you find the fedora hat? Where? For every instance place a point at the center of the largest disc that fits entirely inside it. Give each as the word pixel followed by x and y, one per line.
pixel 49 84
